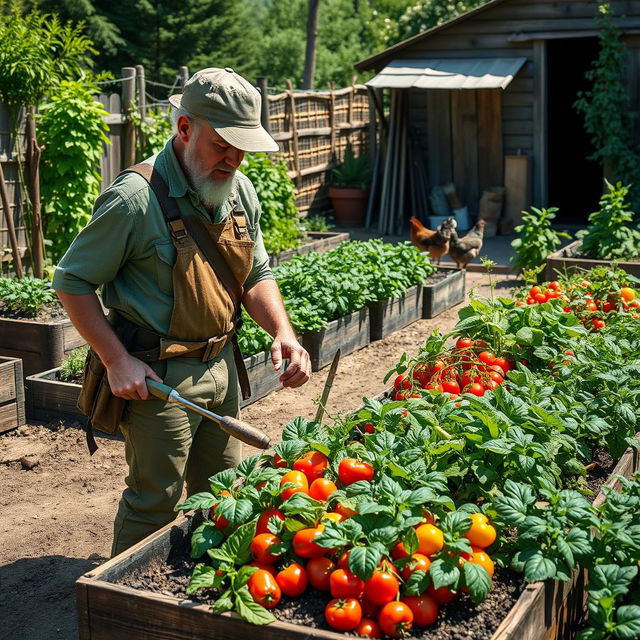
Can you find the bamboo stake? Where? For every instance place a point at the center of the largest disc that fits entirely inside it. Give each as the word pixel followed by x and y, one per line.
pixel 13 240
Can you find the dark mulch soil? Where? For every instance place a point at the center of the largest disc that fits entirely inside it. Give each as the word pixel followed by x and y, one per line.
pixel 54 311
pixel 460 620
pixel 599 474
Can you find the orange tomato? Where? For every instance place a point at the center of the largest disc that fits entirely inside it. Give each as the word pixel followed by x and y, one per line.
pixel 479 556
pixel 481 533
pixel 299 480
pixel 321 489
pixel 627 294
pixel 430 539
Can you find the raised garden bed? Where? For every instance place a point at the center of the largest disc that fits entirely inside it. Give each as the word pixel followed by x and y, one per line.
pixel 444 289
pixel 318 241
pixel 262 376
pixel 392 314
pixel 40 345
pixel 12 413
pixel 349 334
pixel 568 259
pixel 543 610
pixel 49 398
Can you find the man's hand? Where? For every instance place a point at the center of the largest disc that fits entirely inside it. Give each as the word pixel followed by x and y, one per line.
pixel 127 377
pixel 299 368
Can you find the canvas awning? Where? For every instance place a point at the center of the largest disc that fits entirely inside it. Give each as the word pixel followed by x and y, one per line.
pixel 444 73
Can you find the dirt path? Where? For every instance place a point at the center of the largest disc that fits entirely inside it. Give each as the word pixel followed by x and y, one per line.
pixel 57 516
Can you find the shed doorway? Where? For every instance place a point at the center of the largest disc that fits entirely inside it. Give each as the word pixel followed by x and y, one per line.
pixel 574 182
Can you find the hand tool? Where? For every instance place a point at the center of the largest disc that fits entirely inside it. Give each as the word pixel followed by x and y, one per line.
pixel 327 386
pixel 234 427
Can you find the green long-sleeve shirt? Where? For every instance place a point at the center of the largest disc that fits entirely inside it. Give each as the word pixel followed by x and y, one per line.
pixel 126 247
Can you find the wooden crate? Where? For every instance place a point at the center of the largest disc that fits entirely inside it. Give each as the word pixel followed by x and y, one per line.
pixel 318 241
pixel 40 345
pixel 49 398
pixel 12 412
pixel 392 314
pixel 444 289
pixel 107 610
pixel 349 334
pixel 262 376
pixel 564 260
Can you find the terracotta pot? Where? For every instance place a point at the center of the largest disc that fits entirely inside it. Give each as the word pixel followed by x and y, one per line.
pixel 349 205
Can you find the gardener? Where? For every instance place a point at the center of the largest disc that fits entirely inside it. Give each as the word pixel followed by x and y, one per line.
pixel 174 298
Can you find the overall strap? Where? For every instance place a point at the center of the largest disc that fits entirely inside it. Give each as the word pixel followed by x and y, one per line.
pixel 193 226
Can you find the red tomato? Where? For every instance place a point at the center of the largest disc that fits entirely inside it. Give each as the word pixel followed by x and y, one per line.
pixel 398 551
pixel 345 512
pixel 312 464
pixel 442 596
pixel 381 587
pixel 555 285
pixel 263 520
pixel 304 545
pixel 343 561
pixel 292 580
pixel 351 470
pixel 424 609
pixel 487 357
pixel 438 365
pixel 318 571
pixel 496 377
pixel 260 548
pixel 369 428
pixel 279 462
pixel 504 364
pixel 402 382
pixel 264 589
pixel 450 386
pixel 540 298
pixel 476 389
pixel 344 584
pixel 464 343
pixel 322 488
pixel 395 619
pixel 343 615
pixel 598 324
pixel 369 628
pixel 418 562
pixel 299 480
pixel 534 291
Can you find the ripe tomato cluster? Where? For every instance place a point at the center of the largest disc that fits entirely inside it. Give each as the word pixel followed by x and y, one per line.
pixel 580 301
pixel 374 607
pixel 469 367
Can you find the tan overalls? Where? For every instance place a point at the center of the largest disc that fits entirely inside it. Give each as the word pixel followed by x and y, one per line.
pixel 165 444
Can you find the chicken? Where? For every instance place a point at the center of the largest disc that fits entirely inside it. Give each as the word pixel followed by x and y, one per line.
pixel 435 242
pixel 464 250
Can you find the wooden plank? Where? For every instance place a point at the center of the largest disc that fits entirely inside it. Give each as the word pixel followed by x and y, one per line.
pixel 518 128
pixel 491 167
pixel 49 398
pixel 7 380
pixel 564 260
pixel 443 290
pixel 393 314
pixel 517 113
pixel 9 417
pixel 633 83
pixel 524 11
pixel 464 134
pixel 517 182
pixel 567 25
pixel 439 145
pixel 540 126
pixel 516 143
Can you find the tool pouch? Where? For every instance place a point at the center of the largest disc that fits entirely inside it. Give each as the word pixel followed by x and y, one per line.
pixel 103 410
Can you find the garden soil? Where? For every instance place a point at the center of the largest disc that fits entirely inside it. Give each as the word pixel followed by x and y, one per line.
pixel 57 503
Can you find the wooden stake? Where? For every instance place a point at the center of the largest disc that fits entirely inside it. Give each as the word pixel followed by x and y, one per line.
pixel 183 72
pixel 128 130
pixel 294 131
pixel 13 240
pixel 264 110
pixel 33 162
pixel 141 89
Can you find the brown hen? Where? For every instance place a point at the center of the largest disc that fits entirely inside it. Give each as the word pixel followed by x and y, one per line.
pixel 435 242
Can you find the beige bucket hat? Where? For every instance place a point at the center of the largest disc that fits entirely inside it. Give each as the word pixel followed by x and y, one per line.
pixel 230 104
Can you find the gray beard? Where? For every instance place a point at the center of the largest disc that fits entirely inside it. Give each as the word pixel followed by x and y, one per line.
pixel 212 193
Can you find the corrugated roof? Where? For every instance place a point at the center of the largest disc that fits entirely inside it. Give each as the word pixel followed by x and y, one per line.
pixel 438 73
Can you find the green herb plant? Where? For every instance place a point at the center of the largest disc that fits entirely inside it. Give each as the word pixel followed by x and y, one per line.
pixel 73 132
pixel 611 234
pixel 537 239
pixel 279 222
pixel 26 297
pixel 72 367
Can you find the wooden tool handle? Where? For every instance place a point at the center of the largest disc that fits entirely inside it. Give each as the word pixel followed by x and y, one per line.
pixel 245 432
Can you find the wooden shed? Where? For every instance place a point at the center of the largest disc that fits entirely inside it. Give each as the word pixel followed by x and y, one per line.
pixel 494 89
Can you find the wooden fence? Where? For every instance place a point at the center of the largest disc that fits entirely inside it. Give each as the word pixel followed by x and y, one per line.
pixel 313 129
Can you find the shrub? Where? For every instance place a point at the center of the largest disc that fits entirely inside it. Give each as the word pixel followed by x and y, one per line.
pixel 26 297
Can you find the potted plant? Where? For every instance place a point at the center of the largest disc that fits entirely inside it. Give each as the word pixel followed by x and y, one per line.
pixel 349 189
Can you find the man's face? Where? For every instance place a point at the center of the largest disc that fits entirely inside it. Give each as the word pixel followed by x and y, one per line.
pixel 209 160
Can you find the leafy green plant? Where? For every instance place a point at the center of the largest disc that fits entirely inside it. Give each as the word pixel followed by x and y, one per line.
pixel 73 132
pixel 276 193
pixel 354 171
pixel 26 297
pixel 316 222
pixel 605 107
pixel 610 234
pixel 537 239
pixel 72 367
pixel 156 129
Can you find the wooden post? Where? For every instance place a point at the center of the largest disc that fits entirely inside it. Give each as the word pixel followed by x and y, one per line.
pixel 540 125
pixel 33 162
pixel 264 111
pixel 128 130
pixel 332 121
pixel 294 133
pixel 184 76
pixel 142 109
pixel 8 214
pixel 310 53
